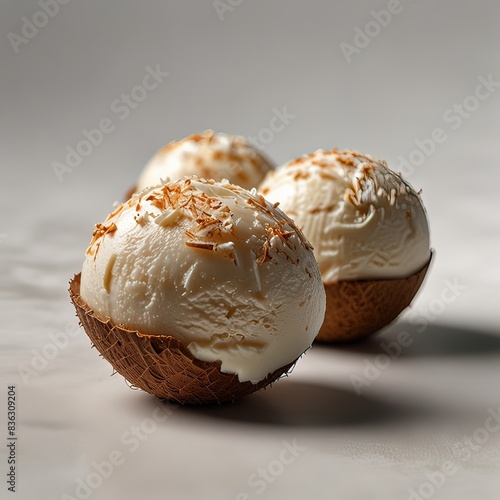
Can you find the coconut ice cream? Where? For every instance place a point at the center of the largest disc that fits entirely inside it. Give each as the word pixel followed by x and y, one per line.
pixel 208 155
pixel 369 231
pixel 213 265
pixel 363 220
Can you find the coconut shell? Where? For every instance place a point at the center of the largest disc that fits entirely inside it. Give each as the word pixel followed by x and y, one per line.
pixel 162 365
pixel 358 308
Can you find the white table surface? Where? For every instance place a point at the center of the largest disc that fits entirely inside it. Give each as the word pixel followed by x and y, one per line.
pixel 424 423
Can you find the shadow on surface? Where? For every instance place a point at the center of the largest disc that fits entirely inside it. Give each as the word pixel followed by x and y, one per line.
pixel 434 340
pixel 311 404
pixel 307 404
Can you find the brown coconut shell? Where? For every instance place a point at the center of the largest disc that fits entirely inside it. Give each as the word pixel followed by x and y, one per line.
pixel 162 365
pixel 358 308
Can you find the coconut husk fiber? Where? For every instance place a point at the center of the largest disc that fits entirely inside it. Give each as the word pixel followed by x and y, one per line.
pixel 162 365
pixel 358 308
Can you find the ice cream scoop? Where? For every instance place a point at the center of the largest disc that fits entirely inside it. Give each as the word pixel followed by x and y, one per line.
pixel 217 268
pixel 209 155
pixel 366 224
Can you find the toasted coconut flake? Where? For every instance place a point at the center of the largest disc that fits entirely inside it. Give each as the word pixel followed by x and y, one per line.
pixel 203 245
pixel 99 233
pixel 115 213
pixel 264 256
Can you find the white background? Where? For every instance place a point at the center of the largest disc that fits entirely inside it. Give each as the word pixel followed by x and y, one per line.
pixel 421 411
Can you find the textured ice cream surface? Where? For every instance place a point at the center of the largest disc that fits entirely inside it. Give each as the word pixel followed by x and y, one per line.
pixel 363 220
pixel 208 155
pixel 214 265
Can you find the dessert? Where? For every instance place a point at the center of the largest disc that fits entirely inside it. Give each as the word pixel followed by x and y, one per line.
pixel 199 291
pixel 210 156
pixel 369 231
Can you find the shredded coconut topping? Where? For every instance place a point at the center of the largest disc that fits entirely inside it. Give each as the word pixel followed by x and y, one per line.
pixel 100 232
pixel 214 222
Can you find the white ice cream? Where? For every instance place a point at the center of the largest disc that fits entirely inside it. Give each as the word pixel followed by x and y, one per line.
pixel 214 265
pixel 362 219
pixel 208 155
